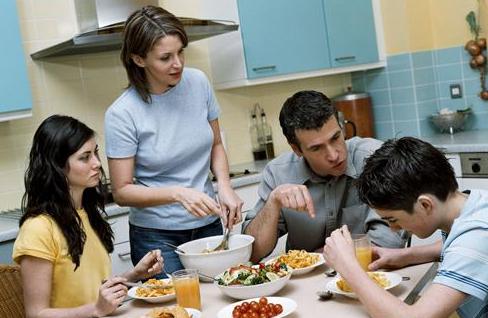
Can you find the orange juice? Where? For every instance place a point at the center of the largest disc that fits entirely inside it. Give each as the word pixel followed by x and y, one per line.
pixel 188 292
pixel 364 256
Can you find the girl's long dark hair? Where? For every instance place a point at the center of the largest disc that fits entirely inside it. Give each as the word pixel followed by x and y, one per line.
pixel 47 189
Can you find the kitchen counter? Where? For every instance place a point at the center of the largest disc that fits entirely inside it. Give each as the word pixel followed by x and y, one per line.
pixel 463 141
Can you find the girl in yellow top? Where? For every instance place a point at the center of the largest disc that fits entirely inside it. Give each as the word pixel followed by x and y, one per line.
pixel 64 242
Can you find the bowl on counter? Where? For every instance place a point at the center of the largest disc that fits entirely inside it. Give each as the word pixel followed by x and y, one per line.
pixel 450 121
pixel 212 264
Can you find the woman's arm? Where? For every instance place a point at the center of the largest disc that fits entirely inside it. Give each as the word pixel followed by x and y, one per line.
pixel 151 264
pixel 127 193
pixel 36 283
pixel 230 202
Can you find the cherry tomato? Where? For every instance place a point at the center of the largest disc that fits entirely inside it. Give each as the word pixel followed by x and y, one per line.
pixel 277 309
pixel 245 315
pixel 254 315
pixel 263 301
pixel 245 305
pixel 236 314
pixel 255 306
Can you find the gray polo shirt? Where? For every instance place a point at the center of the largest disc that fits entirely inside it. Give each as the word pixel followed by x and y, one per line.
pixel 335 199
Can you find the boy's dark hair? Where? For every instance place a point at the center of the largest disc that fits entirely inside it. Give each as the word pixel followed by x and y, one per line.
pixel 305 110
pixel 403 169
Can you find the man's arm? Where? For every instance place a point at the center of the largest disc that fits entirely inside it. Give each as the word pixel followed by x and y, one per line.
pixel 264 226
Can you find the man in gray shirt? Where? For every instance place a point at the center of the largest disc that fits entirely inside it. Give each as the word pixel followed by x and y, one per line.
pixel 310 192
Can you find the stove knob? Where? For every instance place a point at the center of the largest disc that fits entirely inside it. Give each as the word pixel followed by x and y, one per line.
pixel 476 167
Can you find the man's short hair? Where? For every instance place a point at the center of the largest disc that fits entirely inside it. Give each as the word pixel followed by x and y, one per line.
pixel 400 171
pixel 305 110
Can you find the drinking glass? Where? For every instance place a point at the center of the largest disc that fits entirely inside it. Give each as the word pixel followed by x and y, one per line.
pixel 187 288
pixel 364 252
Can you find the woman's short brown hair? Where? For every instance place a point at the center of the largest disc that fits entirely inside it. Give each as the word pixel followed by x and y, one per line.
pixel 143 29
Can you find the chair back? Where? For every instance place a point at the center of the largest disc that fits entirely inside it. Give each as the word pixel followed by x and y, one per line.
pixel 11 297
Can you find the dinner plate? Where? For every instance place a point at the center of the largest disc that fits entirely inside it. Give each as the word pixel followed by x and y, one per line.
pixel 393 278
pixel 304 270
pixel 159 299
pixel 194 313
pixel 289 306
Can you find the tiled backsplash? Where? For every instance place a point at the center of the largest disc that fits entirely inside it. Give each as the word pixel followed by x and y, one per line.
pixel 415 85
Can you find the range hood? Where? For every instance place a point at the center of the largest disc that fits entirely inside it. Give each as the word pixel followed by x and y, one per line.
pixel 109 38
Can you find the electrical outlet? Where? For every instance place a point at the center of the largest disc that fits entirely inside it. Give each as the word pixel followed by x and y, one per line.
pixel 455 90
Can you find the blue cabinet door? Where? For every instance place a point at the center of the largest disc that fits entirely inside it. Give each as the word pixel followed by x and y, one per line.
pixel 351 32
pixel 283 36
pixel 15 93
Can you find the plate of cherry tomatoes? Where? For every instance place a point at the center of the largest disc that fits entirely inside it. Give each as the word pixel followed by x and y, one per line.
pixel 263 307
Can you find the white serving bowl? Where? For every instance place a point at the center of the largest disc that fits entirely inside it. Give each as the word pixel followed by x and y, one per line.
pixel 212 264
pixel 254 291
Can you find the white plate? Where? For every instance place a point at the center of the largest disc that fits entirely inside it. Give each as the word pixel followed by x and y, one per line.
pixel 394 279
pixel 303 270
pixel 194 313
pixel 289 306
pixel 159 299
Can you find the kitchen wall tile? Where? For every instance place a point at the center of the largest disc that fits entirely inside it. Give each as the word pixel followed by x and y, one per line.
pixel 450 72
pixel 400 79
pixel 480 121
pixel 399 62
pixel 404 112
pixel 382 113
pixel 476 104
pixel 358 81
pixel 384 130
pixel 427 108
pixel 380 97
pixel 427 128
pixel 376 81
pixel 448 55
pixel 422 59
pixel 426 92
pixel 452 104
pixel 472 87
pixel 407 128
pixel 402 95
pixel 468 72
pixel 423 76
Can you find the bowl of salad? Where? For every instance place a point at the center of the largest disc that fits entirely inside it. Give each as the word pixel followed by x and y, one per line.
pixel 253 280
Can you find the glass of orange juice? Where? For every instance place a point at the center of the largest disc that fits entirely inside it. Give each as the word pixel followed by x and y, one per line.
pixel 187 288
pixel 364 253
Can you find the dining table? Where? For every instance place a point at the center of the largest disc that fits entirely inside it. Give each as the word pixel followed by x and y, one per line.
pixel 303 290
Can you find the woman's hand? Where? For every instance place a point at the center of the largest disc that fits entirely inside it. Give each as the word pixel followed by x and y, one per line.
pixel 197 203
pixel 110 296
pixel 230 206
pixel 339 250
pixel 151 264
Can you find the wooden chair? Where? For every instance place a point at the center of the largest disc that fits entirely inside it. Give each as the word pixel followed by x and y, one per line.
pixel 11 298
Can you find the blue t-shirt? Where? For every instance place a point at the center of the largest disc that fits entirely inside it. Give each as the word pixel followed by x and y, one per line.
pixel 170 140
pixel 464 264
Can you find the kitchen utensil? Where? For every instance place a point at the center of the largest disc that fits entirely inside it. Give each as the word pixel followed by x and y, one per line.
pixel 224 245
pixel 356 108
pixel 330 272
pixel 451 121
pixel 175 247
pixel 207 277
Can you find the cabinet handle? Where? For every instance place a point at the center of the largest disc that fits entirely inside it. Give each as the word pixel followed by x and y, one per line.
pixel 124 255
pixel 264 68
pixel 345 58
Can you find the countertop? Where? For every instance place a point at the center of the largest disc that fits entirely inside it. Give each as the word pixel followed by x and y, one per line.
pixel 463 141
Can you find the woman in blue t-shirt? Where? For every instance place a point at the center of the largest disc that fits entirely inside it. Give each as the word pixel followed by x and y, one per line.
pixel 162 140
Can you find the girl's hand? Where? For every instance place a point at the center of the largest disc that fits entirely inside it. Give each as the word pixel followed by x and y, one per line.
pixel 151 264
pixel 230 206
pixel 110 296
pixel 197 203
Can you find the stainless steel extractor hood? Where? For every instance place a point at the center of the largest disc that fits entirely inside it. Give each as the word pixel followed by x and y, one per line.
pixel 109 38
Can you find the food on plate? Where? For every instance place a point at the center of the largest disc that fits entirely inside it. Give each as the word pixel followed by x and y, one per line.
pixel 167 312
pixel 254 274
pixel 379 278
pixel 155 288
pixel 261 308
pixel 298 258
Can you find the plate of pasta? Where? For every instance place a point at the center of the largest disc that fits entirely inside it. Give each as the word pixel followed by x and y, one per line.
pixel 161 290
pixel 301 261
pixel 385 280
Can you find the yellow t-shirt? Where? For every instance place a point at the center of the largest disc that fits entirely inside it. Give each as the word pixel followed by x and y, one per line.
pixel 41 237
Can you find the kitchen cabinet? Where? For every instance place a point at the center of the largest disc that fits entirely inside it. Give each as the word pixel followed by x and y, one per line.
pixel 282 40
pixel 121 261
pixel 15 93
pixel 6 249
